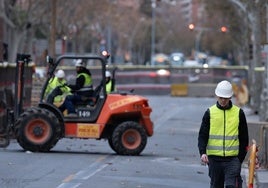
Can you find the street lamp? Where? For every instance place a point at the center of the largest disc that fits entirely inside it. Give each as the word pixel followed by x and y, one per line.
pixel 153 32
pixel 198 40
pixel 198 34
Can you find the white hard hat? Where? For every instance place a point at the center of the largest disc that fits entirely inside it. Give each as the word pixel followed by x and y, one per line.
pixel 60 74
pixel 80 63
pixel 224 89
pixel 107 74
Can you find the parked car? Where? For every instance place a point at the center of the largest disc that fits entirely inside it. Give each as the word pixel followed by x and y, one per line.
pixel 192 63
pixel 177 59
pixel 161 59
pixel 214 61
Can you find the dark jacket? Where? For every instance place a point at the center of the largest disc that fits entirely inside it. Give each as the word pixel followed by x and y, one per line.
pixel 80 80
pixel 242 134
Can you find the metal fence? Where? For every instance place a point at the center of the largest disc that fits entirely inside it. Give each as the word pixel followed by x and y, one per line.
pixel 143 80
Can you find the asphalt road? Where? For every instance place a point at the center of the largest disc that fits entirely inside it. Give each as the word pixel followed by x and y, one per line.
pixel 170 158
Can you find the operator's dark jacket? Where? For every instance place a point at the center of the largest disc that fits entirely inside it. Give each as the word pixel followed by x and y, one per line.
pixel 242 134
pixel 80 80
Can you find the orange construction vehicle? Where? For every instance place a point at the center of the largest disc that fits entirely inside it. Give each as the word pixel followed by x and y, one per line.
pixel 122 118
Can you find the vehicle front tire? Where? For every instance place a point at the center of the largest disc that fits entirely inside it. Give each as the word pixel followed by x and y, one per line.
pixel 36 130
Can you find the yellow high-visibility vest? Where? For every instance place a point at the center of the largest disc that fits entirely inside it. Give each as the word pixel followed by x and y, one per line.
pixel 88 79
pixel 223 134
pixel 109 87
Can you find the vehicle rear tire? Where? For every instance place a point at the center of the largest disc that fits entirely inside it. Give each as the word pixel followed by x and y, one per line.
pixel 37 129
pixel 129 138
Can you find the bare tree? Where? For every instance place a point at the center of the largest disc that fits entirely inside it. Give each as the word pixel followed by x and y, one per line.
pixel 20 17
pixel 246 30
pixel 86 26
pixel 252 14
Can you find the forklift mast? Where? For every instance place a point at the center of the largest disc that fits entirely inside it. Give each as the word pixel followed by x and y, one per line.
pixel 22 59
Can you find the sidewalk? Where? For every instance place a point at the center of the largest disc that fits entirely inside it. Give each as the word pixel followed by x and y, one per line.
pixel 261 175
pixel 261 178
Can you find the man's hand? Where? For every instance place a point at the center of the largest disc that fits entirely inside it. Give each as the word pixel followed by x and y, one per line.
pixel 204 158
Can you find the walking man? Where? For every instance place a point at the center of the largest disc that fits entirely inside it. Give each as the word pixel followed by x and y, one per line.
pixel 223 139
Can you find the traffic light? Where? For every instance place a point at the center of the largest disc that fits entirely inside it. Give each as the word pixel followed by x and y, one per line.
pixel 224 29
pixel 191 27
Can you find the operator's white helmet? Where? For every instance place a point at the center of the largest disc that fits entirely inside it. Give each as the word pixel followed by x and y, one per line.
pixel 80 63
pixel 107 74
pixel 60 74
pixel 224 89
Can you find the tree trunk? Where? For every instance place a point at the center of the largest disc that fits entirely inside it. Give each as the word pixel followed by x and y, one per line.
pixel 16 38
pixel 52 39
pixel 256 81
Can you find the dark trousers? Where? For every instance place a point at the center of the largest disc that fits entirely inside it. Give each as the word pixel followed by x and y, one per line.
pixel 225 172
pixel 69 103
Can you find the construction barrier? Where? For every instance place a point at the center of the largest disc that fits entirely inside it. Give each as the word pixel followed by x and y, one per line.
pixel 179 89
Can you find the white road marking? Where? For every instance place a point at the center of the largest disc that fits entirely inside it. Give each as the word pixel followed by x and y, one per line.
pixel 87 173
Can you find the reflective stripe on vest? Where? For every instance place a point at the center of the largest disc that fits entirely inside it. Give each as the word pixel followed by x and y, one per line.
pixel 223 134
